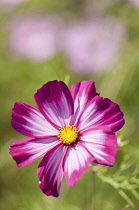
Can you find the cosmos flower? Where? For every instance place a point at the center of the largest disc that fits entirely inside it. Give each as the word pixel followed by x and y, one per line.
pixel 33 36
pixel 92 45
pixel 69 129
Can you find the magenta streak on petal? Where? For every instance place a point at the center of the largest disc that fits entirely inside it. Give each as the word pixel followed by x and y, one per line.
pixel 102 144
pixel 76 163
pixel 55 102
pixel 89 115
pixel 50 171
pixel 29 121
pixel 113 117
pixel 28 150
pixel 101 112
pixel 82 93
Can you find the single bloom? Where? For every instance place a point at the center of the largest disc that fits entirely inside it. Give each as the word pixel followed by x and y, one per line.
pixel 91 45
pixel 33 36
pixel 69 129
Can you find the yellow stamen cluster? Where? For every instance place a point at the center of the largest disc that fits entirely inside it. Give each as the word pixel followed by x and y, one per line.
pixel 68 134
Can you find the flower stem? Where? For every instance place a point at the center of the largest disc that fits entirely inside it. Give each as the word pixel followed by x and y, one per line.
pixel 91 192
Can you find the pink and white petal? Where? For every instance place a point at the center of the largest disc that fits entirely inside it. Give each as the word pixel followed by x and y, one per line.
pixel 50 171
pixel 76 163
pixel 55 102
pixel 101 135
pixel 101 112
pixel 26 151
pixel 29 121
pixel 90 115
pixel 102 144
pixel 82 93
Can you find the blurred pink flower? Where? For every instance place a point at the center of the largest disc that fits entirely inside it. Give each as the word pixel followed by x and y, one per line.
pixel 92 45
pixel 33 36
pixel 70 129
pixel 134 2
pixel 7 4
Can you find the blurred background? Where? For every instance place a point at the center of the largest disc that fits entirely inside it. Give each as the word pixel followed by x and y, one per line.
pixel 71 40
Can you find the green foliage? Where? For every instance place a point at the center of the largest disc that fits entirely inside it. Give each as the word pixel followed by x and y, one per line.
pixel 125 179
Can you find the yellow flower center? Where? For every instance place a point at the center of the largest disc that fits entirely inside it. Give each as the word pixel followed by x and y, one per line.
pixel 68 134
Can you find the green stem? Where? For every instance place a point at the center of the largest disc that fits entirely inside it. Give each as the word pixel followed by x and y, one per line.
pixel 91 192
pixel 122 193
